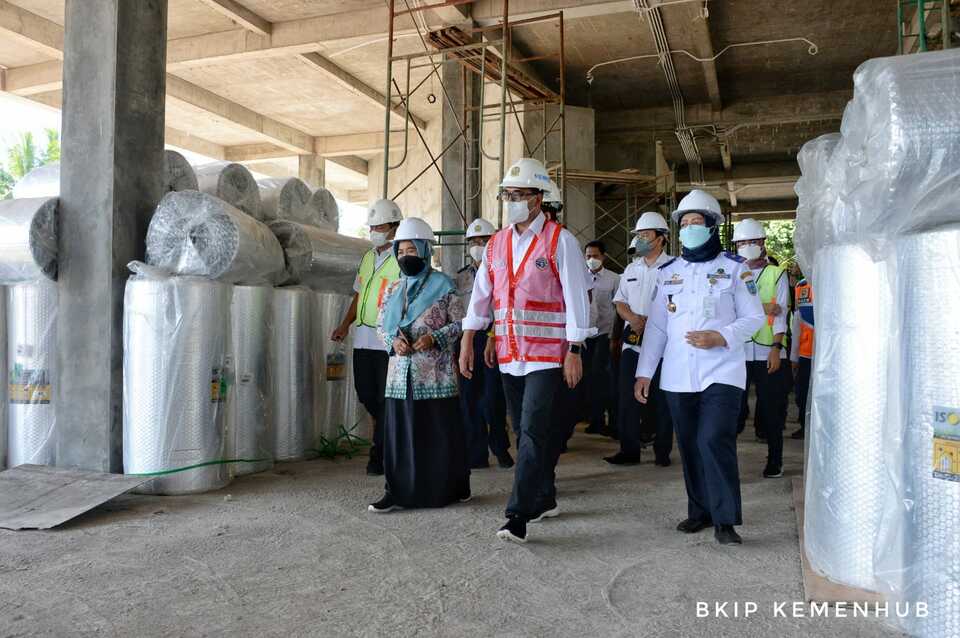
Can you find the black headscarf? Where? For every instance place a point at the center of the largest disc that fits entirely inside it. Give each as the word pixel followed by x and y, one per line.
pixel 710 248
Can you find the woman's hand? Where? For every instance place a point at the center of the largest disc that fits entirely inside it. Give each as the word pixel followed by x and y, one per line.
pixel 401 346
pixel 424 343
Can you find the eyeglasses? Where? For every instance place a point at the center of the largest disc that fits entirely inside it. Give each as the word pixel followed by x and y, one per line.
pixel 516 196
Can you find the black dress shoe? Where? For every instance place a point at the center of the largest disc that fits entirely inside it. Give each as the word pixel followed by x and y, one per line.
pixel 515 531
pixel 726 535
pixel 693 525
pixel 622 459
pixel 374 469
pixel 479 466
pixel 665 462
pixel 504 460
pixel 772 471
pixel 798 434
pixel 384 505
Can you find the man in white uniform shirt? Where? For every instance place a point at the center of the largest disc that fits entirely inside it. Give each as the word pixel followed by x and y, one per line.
pixel 639 422
pixel 704 308
pixel 597 387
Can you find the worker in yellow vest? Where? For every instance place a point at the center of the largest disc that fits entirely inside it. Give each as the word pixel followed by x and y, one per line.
pixel 765 355
pixel 378 269
pixel 801 349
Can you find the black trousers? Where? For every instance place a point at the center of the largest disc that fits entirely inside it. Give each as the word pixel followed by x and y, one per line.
pixel 530 400
pixel 638 421
pixel 370 381
pixel 484 408
pixel 802 388
pixel 596 389
pixel 706 425
pixel 773 391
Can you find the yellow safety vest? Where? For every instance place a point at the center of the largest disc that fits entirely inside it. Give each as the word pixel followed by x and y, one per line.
pixel 767 289
pixel 373 284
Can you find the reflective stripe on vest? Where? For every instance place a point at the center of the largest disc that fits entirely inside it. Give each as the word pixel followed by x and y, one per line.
pixel 373 285
pixel 529 313
pixel 767 289
pixel 804 293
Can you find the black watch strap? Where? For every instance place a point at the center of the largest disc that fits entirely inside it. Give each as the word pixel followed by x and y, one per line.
pixel 575 348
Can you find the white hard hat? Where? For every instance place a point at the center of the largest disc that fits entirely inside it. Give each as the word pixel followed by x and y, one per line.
pixel 651 221
pixel 480 228
pixel 698 201
pixel 552 196
pixel 413 228
pixel 748 229
pixel 527 173
pixel 632 248
pixel 384 211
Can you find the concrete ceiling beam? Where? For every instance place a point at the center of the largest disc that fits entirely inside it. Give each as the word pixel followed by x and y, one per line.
pixel 241 15
pixel 699 29
pixel 488 12
pixel 31 30
pixel 256 153
pixel 34 78
pixel 358 144
pixel 192 143
pixel 352 162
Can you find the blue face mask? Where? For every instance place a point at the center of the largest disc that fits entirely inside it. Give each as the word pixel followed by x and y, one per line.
pixel 694 236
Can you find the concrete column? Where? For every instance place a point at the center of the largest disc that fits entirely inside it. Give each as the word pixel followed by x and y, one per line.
pixel 112 167
pixel 454 161
pixel 312 170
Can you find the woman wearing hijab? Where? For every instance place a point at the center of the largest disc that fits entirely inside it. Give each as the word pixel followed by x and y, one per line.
pixel 425 457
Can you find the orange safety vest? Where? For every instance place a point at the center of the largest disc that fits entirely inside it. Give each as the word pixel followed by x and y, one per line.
pixel 804 296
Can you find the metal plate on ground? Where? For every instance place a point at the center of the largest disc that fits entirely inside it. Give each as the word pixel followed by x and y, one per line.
pixel 41 497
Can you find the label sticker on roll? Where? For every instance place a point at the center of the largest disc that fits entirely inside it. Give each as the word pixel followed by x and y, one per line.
pixel 946 443
pixel 28 386
pixel 218 386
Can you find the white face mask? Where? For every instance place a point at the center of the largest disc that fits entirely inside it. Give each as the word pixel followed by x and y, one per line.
pixel 379 239
pixel 517 212
pixel 594 264
pixel 750 252
pixel 476 252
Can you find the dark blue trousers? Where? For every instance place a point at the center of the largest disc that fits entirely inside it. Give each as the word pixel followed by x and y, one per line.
pixel 484 408
pixel 530 400
pixel 636 419
pixel 706 426
pixel 802 388
pixel 597 387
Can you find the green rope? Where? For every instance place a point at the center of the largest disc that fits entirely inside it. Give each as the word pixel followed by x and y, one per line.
pixel 193 467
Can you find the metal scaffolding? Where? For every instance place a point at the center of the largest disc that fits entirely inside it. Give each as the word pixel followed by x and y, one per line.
pixel 475 51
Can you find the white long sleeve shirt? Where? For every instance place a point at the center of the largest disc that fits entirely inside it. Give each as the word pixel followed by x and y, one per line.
pixel 574 276
pixel 636 286
pixel 720 295
pixel 756 352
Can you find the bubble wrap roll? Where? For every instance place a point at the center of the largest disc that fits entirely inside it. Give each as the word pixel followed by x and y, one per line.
pixel 28 239
pixel 31 356
pixel 320 259
pixel 232 183
pixel 326 206
pixel 812 194
pixel 845 478
pixel 4 397
pixel 249 409
pixel 292 372
pixel 333 382
pixel 929 496
pixel 178 175
pixel 289 199
pixel 43 181
pixel 194 233
pixel 175 333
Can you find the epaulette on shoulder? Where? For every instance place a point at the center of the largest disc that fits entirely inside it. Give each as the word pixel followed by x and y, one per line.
pixel 734 257
pixel 667 264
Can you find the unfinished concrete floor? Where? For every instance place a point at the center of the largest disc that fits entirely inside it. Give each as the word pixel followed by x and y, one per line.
pixel 293 552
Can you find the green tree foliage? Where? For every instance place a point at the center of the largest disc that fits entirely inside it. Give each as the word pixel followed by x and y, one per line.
pixel 24 156
pixel 52 152
pixel 6 184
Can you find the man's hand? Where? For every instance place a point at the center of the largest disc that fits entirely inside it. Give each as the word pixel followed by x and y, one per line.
pixel 466 354
pixel 401 346
pixel 706 339
pixel 641 389
pixel 572 369
pixel 772 309
pixel 424 343
pixel 638 323
pixel 490 352
pixel 773 360
pixel 340 332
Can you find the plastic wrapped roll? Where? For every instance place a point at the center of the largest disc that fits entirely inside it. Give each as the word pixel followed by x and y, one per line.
pixel 232 183
pixel 289 199
pixel 928 492
pixel 28 239
pixel 331 367
pixel 4 397
pixel 249 409
pixel 319 259
pixel 31 356
pixel 178 175
pixel 43 181
pixel 194 233
pixel 845 478
pixel 327 209
pixel 812 194
pixel 292 373
pixel 175 333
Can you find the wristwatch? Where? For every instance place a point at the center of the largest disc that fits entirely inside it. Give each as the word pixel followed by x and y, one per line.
pixel 575 348
pixel 777 346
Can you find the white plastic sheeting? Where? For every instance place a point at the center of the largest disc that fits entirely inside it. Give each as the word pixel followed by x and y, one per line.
pixel 31 357
pixel 4 396
pixel 287 198
pixel 196 234
pixel 813 195
pixel 326 206
pixel 293 379
pixel 28 239
pixel 319 259
pixel 232 183
pixel 178 175
pixel 249 398
pixel 175 337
